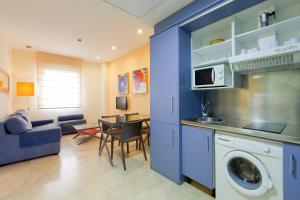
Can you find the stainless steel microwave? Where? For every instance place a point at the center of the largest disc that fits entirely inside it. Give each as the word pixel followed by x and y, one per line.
pixel 212 76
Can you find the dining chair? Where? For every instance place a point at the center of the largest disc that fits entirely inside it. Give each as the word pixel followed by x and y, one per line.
pixel 137 146
pixel 106 130
pixel 145 129
pixel 130 131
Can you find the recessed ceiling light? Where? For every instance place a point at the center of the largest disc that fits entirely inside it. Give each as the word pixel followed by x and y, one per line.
pixel 140 31
pixel 98 57
pixel 114 48
pixel 28 46
pixel 79 39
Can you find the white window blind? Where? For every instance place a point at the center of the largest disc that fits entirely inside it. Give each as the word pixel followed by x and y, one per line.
pixel 59 80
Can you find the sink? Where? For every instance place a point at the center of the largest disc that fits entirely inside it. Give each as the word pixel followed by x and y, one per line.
pixel 210 120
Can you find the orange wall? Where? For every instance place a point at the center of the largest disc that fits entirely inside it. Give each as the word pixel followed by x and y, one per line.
pixel 139 58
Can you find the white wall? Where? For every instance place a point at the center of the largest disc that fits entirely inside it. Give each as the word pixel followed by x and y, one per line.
pixel 5 65
pixel 24 68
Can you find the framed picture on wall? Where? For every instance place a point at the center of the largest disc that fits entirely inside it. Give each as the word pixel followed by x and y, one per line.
pixel 139 81
pixel 4 81
pixel 123 83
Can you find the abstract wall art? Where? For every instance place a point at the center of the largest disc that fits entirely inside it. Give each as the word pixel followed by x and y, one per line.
pixel 139 81
pixel 123 83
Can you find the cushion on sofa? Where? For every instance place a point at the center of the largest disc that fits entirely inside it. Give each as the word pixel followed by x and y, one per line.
pixel 40 135
pixel 16 125
pixel 25 116
pixel 70 117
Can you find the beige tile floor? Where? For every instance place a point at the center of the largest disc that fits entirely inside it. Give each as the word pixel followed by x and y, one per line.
pixel 78 173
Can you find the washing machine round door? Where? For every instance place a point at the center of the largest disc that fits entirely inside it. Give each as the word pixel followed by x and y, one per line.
pixel 246 173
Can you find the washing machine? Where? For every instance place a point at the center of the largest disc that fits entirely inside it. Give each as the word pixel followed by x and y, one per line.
pixel 248 168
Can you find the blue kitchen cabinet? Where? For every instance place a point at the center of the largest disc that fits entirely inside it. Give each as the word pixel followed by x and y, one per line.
pixel 165 150
pixel 170 62
pixel 198 155
pixel 164 76
pixel 171 99
pixel 291 169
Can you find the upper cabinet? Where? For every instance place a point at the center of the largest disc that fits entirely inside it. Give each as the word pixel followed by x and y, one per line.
pixel 164 49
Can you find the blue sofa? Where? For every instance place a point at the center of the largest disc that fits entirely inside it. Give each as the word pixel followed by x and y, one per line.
pixel 66 123
pixel 21 139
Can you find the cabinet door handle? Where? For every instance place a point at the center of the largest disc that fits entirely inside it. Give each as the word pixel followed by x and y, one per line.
pixel 292 165
pixel 173 138
pixel 172 105
pixel 225 140
pixel 207 143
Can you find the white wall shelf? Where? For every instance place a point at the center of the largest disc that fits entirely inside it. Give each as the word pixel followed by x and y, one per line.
pixel 244 40
pixel 280 27
pixel 226 45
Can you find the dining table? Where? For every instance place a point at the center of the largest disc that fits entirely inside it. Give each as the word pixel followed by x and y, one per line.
pixel 115 124
pixel 119 120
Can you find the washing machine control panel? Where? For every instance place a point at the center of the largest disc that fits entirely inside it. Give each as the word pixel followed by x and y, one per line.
pixel 250 145
pixel 274 150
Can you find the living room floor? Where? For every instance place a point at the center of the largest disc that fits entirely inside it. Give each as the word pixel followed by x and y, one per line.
pixel 79 173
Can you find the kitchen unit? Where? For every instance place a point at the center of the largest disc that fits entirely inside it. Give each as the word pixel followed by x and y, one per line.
pixel 283 166
pixel 291 167
pixel 262 60
pixel 171 96
pixel 198 155
pixel 245 47
pixel 248 168
pixel 171 100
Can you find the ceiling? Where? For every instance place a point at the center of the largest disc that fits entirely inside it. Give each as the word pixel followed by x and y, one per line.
pixel 55 25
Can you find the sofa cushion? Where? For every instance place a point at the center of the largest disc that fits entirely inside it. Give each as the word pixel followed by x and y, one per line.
pixel 25 116
pixel 16 125
pixel 69 117
pixel 40 135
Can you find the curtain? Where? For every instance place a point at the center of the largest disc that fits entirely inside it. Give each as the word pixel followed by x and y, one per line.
pixel 59 80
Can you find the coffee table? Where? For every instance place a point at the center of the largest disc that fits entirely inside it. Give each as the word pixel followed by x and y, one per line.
pixel 88 129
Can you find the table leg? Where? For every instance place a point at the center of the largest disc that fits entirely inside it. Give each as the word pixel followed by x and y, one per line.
pixel 86 140
pixel 76 136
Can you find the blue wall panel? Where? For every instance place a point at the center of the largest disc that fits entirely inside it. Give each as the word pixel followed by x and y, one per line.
pixel 199 7
pixel 185 13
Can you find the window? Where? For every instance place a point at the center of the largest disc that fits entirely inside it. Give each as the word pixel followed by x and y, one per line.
pixel 59 80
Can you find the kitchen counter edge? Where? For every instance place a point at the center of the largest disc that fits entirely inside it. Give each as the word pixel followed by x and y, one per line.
pixel 287 137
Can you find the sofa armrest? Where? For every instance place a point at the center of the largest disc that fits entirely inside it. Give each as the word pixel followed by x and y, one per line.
pixel 42 122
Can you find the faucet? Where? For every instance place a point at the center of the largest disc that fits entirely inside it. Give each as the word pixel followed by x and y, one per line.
pixel 205 112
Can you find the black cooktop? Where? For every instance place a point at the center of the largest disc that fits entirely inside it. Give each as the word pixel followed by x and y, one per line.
pixel 266 127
